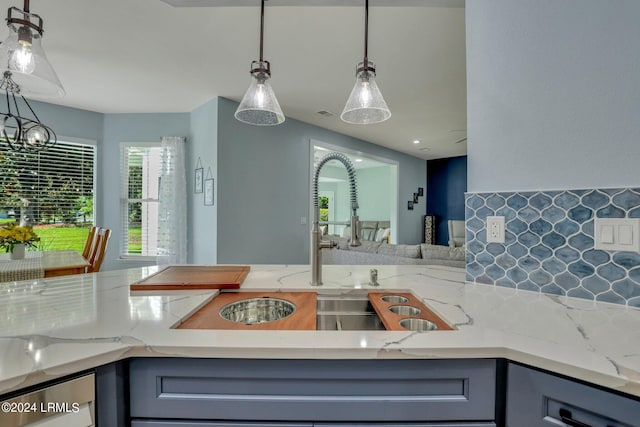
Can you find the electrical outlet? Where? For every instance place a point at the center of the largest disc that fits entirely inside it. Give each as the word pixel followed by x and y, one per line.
pixel 495 229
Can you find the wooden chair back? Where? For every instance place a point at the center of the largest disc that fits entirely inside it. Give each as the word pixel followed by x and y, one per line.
pixel 100 248
pixel 88 244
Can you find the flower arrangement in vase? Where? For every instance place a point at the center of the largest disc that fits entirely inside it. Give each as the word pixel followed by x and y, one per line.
pixel 14 239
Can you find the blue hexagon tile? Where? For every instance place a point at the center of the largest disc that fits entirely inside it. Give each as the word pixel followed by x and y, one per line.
pixel 549 244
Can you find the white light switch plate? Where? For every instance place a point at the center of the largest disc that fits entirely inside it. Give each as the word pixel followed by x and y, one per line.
pixel 617 234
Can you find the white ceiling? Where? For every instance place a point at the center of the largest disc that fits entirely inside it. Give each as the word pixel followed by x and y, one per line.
pixel 123 56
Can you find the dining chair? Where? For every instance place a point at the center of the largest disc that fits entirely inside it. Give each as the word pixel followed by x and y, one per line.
pixel 100 247
pixel 88 244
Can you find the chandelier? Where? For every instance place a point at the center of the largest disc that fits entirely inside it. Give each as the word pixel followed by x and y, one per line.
pixel 25 70
pixel 22 133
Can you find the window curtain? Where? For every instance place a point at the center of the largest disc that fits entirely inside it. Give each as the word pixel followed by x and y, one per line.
pixel 172 210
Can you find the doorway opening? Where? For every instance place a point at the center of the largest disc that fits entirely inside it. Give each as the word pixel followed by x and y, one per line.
pixel 377 193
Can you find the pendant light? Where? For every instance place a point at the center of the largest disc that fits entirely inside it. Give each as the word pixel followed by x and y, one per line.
pixel 259 105
pixel 365 104
pixel 22 55
pixel 24 69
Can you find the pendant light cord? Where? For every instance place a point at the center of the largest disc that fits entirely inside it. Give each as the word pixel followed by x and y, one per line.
pixel 26 6
pixel 262 29
pixel 366 35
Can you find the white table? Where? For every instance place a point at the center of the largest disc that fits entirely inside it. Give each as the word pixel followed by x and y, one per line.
pixel 36 265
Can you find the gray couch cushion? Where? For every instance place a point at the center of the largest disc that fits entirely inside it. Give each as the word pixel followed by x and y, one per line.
pixel 367 246
pixel 333 256
pixel 438 252
pixel 406 251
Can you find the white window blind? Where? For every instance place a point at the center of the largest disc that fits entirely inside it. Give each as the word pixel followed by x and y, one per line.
pixel 140 171
pixel 52 190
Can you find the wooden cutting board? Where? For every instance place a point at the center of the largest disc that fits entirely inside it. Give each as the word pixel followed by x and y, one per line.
pixel 303 318
pixel 391 320
pixel 182 277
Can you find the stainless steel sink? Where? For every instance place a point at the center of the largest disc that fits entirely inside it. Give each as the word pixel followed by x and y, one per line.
pixel 346 313
pixel 257 310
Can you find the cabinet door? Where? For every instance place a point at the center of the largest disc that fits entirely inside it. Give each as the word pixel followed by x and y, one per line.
pixel 538 399
pixel 313 390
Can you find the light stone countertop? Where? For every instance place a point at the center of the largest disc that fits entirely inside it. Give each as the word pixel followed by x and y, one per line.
pixel 54 327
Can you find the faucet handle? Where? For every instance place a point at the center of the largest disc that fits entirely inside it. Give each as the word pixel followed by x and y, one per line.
pixel 355 231
pixel 373 277
pixel 326 244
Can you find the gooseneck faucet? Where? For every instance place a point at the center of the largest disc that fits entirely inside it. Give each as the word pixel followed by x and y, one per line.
pixel 316 235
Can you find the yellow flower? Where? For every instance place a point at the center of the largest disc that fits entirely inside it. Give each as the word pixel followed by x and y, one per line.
pixel 12 235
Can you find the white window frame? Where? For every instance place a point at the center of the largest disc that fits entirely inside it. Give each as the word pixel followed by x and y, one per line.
pixel 124 200
pixel 62 139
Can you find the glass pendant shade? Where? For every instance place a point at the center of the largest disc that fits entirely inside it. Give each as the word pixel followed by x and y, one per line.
pixel 259 105
pixel 365 104
pixel 23 55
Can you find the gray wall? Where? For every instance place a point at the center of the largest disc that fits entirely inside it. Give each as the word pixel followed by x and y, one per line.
pixel 553 107
pixel 128 128
pixel 374 193
pixel 203 145
pixel 70 122
pixel 264 188
pixel 262 178
pixel 553 95
pixel 109 130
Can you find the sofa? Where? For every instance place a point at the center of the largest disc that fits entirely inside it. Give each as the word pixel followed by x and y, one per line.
pixel 378 231
pixel 378 253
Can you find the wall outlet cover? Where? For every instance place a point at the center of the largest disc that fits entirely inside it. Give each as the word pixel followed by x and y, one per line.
pixel 495 229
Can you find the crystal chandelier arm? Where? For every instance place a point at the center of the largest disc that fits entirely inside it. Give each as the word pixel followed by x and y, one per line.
pixel 15 103
pixel 6 93
pixel 31 109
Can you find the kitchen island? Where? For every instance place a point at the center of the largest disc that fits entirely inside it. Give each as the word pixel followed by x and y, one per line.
pixel 54 327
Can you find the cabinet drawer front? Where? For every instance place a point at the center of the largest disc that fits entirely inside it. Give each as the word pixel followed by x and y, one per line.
pixel 535 399
pixel 313 390
pixel 450 424
pixel 165 423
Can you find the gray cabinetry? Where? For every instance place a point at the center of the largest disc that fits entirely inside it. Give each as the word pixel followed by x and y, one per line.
pixel 155 423
pixel 538 399
pixel 313 391
pixel 165 423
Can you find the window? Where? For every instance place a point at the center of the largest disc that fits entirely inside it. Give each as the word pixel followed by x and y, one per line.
pixel 141 166
pixel 52 190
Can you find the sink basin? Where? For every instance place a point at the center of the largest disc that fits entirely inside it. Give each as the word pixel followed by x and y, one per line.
pixel 347 313
pixel 257 310
pixel 419 325
pixel 350 304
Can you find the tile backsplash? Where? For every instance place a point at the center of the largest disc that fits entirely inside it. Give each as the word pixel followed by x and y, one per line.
pixel 549 243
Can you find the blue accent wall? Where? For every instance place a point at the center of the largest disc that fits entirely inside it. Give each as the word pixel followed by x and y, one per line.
pixel 446 185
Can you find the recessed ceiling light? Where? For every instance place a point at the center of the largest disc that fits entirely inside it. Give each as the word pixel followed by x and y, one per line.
pixel 425 149
pixel 358 160
pixel 416 141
